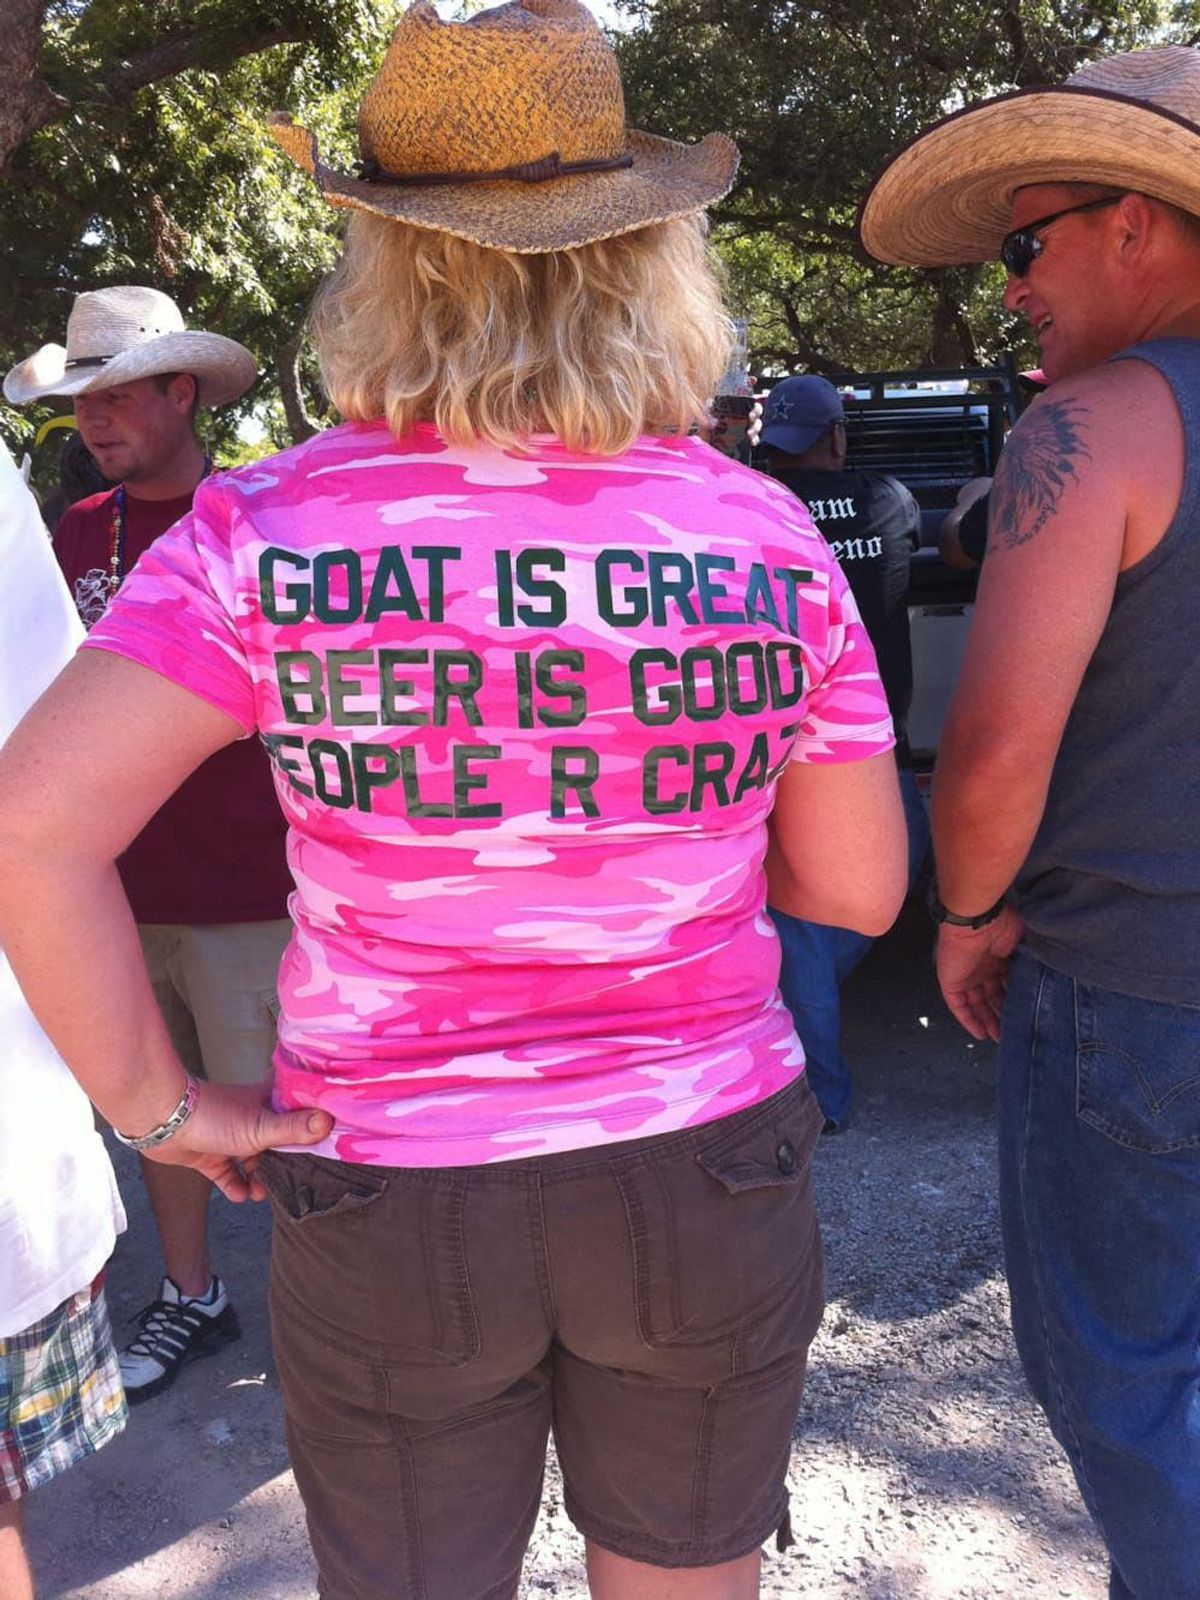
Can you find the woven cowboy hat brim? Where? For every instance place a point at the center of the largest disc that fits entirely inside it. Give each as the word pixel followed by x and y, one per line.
pixel 947 197
pixel 222 368
pixel 665 180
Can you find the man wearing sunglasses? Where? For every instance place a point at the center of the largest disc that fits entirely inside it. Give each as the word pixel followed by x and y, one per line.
pixel 1067 796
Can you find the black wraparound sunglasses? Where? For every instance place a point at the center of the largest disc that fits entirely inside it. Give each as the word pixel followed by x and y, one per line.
pixel 1021 248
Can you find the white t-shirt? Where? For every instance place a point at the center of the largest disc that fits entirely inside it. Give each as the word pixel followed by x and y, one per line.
pixel 60 1211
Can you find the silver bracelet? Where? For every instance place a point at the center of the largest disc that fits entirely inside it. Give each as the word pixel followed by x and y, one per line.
pixel 168 1129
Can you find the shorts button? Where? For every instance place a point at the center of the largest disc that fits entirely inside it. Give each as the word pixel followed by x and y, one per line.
pixel 786 1159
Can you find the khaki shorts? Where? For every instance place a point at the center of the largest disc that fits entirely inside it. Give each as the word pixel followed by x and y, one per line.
pixel 650 1302
pixel 217 990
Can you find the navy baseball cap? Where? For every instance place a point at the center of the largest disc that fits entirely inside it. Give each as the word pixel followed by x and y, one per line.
pixel 797 412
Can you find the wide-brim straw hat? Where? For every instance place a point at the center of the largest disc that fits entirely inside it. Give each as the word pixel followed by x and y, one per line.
pixel 118 335
pixel 1128 121
pixel 508 129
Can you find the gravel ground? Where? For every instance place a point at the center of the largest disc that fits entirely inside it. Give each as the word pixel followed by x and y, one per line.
pixel 920 1469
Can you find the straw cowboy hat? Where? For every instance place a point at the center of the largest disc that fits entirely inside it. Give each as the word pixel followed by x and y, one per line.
pixel 508 129
pixel 1129 121
pixel 118 335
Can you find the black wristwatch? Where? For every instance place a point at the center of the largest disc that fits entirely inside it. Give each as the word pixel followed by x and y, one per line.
pixel 941 914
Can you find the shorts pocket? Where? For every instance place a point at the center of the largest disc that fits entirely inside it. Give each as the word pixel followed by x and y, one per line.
pixel 306 1187
pixel 1138 1070
pixel 374 1262
pixel 722 1232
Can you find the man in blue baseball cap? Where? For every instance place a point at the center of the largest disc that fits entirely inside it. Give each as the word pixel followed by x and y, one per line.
pixel 873 525
pixel 797 412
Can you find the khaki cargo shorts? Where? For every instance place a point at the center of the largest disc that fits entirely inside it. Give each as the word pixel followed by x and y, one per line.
pixel 650 1302
pixel 217 988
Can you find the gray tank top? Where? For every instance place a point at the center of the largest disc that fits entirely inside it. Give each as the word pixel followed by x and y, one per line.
pixel 1110 893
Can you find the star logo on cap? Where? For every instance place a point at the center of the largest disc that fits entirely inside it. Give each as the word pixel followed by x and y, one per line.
pixel 781 411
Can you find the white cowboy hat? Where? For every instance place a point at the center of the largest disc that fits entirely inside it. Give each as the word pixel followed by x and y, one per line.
pixel 1128 121
pixel 508 129
pixel 119 335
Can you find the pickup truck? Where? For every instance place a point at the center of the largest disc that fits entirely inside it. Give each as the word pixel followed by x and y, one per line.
pixel 932 429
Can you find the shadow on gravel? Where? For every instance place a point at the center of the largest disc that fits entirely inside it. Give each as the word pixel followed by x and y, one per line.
pixel 901 1585
pixel 908 1191
pixel 900 1040
pixel 915 1404
pixel 206 1452
pixel 949 1455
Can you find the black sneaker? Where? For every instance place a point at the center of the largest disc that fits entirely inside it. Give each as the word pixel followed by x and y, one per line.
pixel 175 1329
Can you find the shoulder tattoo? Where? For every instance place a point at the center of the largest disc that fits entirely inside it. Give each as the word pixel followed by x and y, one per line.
pixel 1043 452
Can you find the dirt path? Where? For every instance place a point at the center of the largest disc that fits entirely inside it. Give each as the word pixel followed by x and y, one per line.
pixel 921 1470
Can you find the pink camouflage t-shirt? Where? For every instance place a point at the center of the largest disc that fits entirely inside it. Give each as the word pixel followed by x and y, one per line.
pixel 526 714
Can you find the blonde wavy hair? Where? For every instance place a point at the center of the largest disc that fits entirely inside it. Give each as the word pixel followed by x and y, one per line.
pixel 595 345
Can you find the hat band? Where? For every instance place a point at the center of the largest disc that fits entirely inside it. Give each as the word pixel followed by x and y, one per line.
pixel 88 361
pixel 551 166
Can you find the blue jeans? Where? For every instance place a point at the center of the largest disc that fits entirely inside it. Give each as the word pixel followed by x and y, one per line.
pixel 1099 1121
pixel 816 961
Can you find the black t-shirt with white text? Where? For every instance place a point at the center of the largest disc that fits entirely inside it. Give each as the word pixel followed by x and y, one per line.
pixel 872 524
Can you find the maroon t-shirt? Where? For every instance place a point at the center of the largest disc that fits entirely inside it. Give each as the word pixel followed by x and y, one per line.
pixel 215 851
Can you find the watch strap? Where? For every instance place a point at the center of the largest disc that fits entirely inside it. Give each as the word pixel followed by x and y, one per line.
pixel 942 914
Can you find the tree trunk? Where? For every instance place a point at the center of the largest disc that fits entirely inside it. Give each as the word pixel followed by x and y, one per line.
pixel 301 425
pixel 951 342
pixel 26 103
pixel 1026 70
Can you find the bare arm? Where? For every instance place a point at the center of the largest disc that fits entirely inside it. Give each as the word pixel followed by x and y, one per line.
pixel 838 850
pixel 1056 534
pixel 1058 537
pixel 949 546
pixel 84 771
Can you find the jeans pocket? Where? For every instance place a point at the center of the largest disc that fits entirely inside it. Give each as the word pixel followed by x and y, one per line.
pixel 721 1233
pixel 375 1263
pixel 1138 1070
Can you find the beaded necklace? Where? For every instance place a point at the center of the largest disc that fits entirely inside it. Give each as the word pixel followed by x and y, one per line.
pixel 116 543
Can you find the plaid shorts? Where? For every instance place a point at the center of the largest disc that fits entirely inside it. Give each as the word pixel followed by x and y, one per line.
pixel 60 1393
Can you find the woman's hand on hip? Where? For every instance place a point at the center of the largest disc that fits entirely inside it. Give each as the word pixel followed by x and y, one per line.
pixel 229 1130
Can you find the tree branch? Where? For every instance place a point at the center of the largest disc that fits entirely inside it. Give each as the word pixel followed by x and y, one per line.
pixel 804 350
pixel 1027 71
pixel 196 47
pixel 28 104
pixel 832 239
pixel 301 425
pixel 27 178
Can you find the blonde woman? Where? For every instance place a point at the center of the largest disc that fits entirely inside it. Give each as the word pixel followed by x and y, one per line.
pixel 541 675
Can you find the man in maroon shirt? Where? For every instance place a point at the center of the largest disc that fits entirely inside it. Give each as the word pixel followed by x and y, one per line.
pixel 207 877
